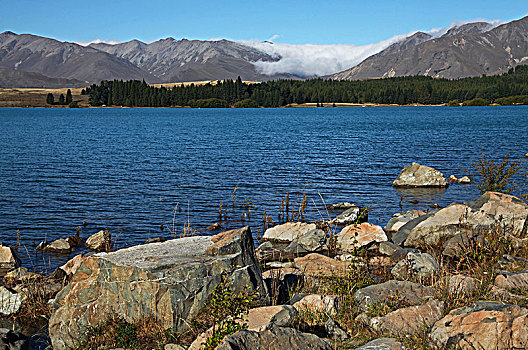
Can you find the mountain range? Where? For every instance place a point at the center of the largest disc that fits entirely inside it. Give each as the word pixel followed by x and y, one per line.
pixel 472 49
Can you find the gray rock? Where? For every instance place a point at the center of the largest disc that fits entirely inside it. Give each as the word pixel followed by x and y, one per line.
pixel 280 282
pixel 60 246
pixel 99 241
pixel 511 263
pixel 348 217
pixel 388 248
pixel 382 344
pixel 12 340
pixel 169 281
pixel 457 245
pixel 334 331
pixel 340 206
pixel 314 240
pixel 416 175
pixel 459 284
pixel 10 301
pixel 403 232
pixel 288 232
pixel 415 264
pixel 400 219
pixel 512 280
pixel 408 292
pixel 277 338
pixel 267 317
pixel 8 258
pixel 481 214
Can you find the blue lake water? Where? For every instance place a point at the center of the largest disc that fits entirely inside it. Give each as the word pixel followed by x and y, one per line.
pixel 127 169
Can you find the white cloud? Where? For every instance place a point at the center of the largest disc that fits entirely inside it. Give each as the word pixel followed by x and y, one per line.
pixel 99 41
pixel 310 59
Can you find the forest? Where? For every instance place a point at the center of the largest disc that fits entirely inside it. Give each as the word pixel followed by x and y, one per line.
pixel 505 89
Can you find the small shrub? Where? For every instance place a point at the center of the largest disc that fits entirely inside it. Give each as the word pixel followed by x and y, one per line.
pixel 497 176
pixel 476 102
pixel 453 103
pixel 247 103
pixel 73 104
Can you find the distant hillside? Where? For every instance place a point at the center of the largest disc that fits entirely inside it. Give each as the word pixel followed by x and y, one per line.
pixel 465 51
pixel 57 59
pixel 192 60
pixel 11 77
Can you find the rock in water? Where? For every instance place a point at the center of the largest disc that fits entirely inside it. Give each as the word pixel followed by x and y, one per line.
pixel 169 281
pixel 8 258
pixel 59 246
pixel 348 217
pixel 416 175
pixel 99 241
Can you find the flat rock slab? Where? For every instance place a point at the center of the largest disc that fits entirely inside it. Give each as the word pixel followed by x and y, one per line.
pixel 356 236
pixel 409 293
pixel 410 320
pixel 170 281
pixel 483 325
pixel 317 265
pixel 278 338
pixel 288 232
pixel 382 344
pixel 416 175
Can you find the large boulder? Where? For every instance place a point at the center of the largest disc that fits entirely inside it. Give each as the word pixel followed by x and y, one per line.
pixel 169 281
pixel 8 259
pixel 482 214
pixel 277 338
pixel 356 236
pixel 288 232
pixel 416 175
pixel 483 325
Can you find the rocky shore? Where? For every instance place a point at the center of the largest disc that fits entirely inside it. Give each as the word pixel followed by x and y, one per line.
pixel 453 277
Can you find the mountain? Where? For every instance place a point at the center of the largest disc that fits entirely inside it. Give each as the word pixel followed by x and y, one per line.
pixel 192 60
pixel 470 50
pixel 31 53
pixel 17 78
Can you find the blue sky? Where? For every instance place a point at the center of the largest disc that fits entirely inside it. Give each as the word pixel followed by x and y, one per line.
pixel 295 21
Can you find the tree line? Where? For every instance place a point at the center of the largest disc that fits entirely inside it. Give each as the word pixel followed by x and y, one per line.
pixel 507 88
pixel 50 99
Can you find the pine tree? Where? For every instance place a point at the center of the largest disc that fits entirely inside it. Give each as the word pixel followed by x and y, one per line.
pixel 69 97
pixel 61 99
pixel 50 99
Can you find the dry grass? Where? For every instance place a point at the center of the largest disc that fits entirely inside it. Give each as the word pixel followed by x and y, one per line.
pixel 29 97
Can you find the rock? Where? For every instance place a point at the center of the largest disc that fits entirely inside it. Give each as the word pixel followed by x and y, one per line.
pixel 173 347
pixel 407 292
pixel 357 236
pixel 169 281
pixel 264 318
pixel 312 241
pixel 317 265
pixel 457 245
pixel 512 263
pixel 340 206
pixel 460 284
pixel 382 344
pixel 481 214
pixel 334 331
pixel 416 175
pixel 99 241
pixel 288 232
pixel 483 325
pixel 506 297
pixel 12 340
pixel 464 180
pixel 400 219
pixel 279 265
pixel 75 241
pixel 42 245
pixel 277 338
pixel 389 248
pixel 512 280
pixel 410 320
pixel 316 303
pixel 415 264
pixel 23 275
pixel 10 301
pixel 403 232
pixel 72 265
pixel 155 240
pixel 59 246
pixel 452 179
pixel 8 258
pixel 348 217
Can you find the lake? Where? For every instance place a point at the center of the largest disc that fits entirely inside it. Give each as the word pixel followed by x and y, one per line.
pixel 128 169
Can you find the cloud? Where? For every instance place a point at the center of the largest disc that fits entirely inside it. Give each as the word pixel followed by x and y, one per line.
pixel 317 60
pixel 98 41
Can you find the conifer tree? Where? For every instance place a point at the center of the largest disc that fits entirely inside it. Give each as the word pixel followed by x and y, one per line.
pixel 69 97
pixel 50 99
pixel 61 99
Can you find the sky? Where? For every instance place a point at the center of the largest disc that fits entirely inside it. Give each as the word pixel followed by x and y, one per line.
pixel 285 21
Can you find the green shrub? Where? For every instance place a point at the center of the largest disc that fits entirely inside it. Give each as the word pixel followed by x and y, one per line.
pixel 476 102
pixel 453 103
pixel 208 103
pixel 513 100
pixel 247 103
pixel 73 105
pixel 497 176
